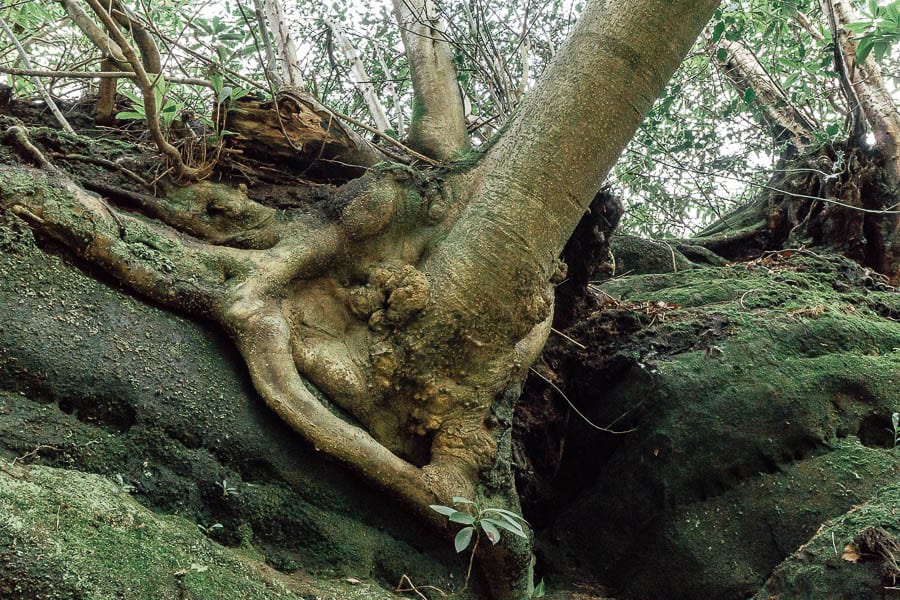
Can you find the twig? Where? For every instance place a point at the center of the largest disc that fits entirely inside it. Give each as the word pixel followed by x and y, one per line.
pixel 744 295
pixel 37 82
pixel 33 453
pixel 888 211
pixel 472 559
pixel 97 75
pixel 562 335
pixel 578 412
pixel 413 588
pixel 388 138
pixel 104 163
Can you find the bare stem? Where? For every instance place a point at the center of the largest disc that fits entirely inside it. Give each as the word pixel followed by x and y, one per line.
pixel 37 82
pixel 149 94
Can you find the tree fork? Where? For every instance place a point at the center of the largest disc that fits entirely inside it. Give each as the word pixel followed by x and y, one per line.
pixel 414 303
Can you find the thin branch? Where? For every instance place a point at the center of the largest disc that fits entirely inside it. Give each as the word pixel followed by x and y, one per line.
pixel 96 75
pixel 271 67
pixel 148 90
pixel 284 43
pixel 87 26
pixel 361 78
pixel 843 66
pixel 37 82
pixel 575 408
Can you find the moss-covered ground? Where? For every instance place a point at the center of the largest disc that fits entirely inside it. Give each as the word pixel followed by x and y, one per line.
pixel 760 397
pixel 94 380
pixel 67 535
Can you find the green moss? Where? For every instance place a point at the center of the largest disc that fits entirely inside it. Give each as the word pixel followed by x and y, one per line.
pixel 419 112
pixel 761 395
pixel 98 543
pixel 822 570
pixel 111 385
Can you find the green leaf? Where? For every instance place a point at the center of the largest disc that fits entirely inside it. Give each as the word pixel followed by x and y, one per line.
pixel 508 513
pixel 509 525
pixel 444 510
pixel 461 517
pixel 833 129
pixel 749 96
pixel 490 530
pixel 718 30
pixel 130 115
pixel 461 500
pixel 864 48
pixel 539 590
pixel 463 538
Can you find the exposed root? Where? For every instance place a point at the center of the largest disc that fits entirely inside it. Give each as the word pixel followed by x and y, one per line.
pixel 335 305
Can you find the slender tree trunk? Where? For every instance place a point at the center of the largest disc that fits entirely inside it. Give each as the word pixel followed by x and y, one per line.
pixel 362 82
pixel 535 184
pixel 438 126
pixel 784 120
pixel 868 86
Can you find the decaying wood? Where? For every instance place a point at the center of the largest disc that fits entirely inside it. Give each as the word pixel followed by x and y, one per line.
pixel 298 138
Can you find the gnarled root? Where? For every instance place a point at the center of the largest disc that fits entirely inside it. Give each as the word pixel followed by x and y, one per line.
pixel 333 306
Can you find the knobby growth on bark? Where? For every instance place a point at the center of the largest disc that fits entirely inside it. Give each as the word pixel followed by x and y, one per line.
pixel 392 326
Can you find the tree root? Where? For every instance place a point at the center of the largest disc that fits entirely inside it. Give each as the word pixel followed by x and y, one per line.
pixel 314 305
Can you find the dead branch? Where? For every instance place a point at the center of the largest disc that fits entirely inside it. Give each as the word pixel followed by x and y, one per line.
pixel 37 82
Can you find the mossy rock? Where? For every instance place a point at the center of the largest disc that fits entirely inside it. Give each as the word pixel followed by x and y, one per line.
pixel 852 557
pixel 760 397
pixel 67 535
pixel 638 256
pixel 96 380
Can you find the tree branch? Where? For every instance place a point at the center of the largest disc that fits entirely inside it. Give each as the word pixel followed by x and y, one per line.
pixel 875 101
pixel 538 180
pixel 101 40
pixel 363 82
pixel 741 67
pixel 149 94
pixel 284 44
pixel 37 82
pixel 438 126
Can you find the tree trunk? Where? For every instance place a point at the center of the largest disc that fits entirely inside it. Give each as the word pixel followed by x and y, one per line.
pixel 413 301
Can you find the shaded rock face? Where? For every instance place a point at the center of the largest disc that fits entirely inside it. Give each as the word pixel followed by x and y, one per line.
pixel 760 396
pixel 94 380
